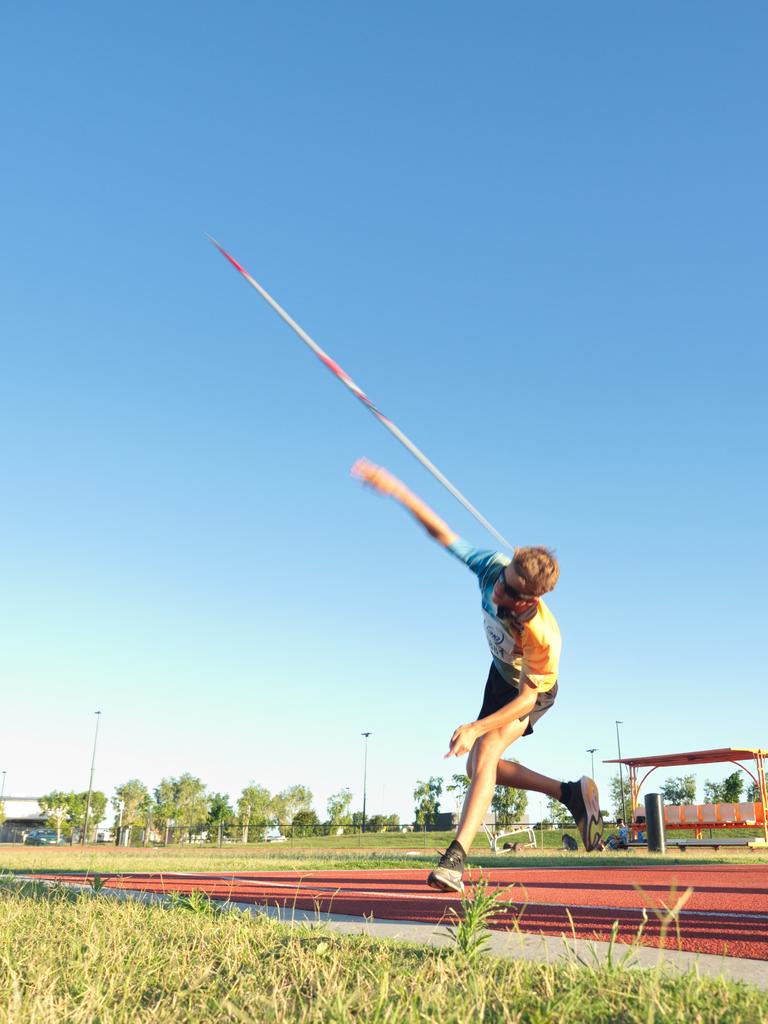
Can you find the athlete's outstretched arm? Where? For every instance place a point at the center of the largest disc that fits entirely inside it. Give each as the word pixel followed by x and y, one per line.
pixel 385 483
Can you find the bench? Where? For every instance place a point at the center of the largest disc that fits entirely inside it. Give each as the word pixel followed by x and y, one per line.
pixel 746 814
pixel 494 838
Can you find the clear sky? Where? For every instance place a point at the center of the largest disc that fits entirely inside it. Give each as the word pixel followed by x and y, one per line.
pixel 533 233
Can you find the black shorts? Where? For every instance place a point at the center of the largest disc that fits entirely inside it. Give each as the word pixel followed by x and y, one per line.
pixel 498 693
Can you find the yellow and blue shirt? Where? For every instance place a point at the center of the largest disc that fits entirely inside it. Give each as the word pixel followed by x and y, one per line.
pixel 535 650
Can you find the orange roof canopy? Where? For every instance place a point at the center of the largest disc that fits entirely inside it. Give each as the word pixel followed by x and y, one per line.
pixel 693 757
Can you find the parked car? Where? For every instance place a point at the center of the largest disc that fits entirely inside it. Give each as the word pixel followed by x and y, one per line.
pixel 42 837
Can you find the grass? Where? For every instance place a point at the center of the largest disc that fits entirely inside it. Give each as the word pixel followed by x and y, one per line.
pixel 272 857
pixel 81 959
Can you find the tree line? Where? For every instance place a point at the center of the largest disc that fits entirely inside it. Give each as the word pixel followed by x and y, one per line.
pixel 185 802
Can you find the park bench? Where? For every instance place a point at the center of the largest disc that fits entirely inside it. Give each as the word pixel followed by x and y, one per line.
pixel 520 828
pixel 747 814
pixel 697 817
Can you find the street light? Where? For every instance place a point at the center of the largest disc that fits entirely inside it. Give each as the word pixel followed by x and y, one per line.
pixel 365 771
pixel 2 788
pixel 90 784
pixel 621 775
pixel 591 750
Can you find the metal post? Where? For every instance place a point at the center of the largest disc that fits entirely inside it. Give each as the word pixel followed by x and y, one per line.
pixel 2 789
pixel 654 823
pixel 591 751
pixel 365 772
pixel 621 776
pixel 90 784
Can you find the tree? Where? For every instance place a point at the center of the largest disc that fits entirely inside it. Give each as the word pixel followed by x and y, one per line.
pixel 287 804
pixel 427 797
pixel 220 813
pixel 753 792
pixel 558 813
pixel 338 808
pixel 510 804
pixel 191 801
pixel 726 792
pixel 164 809
pixel 459 785
pixel 181 802
pixel 2 813
pixel 306 823
pixel 55 806
pixel 733 787
pixel 619 807
pixel 77 806
pixel 254 809
pixel 680 790
pixel 133 799
pixel 377 823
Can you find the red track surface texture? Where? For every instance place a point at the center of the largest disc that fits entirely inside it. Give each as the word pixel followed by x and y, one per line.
pixel 727 913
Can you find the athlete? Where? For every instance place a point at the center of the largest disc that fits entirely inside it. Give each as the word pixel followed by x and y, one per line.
pixel 524 639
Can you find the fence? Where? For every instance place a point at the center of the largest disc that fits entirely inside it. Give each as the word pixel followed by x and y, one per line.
pixel 251 835
pixel 325 835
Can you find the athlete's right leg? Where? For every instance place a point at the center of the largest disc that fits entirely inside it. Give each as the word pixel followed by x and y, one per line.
pixel 581 798
pixel 517 776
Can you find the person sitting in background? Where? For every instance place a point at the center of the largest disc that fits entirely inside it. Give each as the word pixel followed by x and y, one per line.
pixel 619 840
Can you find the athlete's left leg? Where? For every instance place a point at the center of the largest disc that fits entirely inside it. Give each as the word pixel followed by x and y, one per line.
pixel 483 767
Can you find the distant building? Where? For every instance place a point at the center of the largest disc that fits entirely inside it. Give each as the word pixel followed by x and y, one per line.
pixel 22 814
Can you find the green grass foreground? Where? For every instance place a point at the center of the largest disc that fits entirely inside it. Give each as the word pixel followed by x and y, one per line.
pixel 84 958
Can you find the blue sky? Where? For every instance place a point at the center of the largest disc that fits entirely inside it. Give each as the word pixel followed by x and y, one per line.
pixel 534 235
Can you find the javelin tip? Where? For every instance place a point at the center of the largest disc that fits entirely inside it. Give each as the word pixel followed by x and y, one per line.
pixel 224 253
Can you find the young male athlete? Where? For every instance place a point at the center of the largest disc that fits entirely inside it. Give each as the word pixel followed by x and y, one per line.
pixel 522 684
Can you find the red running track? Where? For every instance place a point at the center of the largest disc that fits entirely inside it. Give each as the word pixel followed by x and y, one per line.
pixel 727 913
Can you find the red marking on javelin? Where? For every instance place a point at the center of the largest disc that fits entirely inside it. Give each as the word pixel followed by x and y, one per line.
pixel 332 365
pixel 231 259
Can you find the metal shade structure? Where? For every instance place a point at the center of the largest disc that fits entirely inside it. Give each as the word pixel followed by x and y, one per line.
pixel 732 755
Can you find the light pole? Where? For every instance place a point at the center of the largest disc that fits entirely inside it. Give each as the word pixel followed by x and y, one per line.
pixel 90 784
pixel 121 808
pixel 621 775
pixel 365 772
pixel 591 750
pixel 2 789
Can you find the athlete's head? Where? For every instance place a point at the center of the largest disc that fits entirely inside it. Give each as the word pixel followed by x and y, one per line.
pixel 538 567
pixel 531 573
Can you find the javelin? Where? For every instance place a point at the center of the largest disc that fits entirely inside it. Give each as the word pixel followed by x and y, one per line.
pixel 359 393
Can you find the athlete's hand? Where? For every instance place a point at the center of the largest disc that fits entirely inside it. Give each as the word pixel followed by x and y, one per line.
pixel 462 740
pixel 376 476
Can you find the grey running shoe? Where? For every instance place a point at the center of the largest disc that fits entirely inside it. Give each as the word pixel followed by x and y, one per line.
pixel 583 801
pixel 447 876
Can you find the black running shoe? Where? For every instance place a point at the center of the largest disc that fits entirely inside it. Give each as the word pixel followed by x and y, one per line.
pixel 447 876
pixel 583 801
